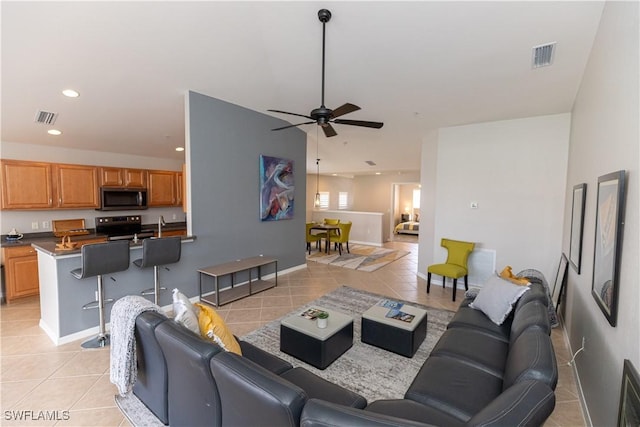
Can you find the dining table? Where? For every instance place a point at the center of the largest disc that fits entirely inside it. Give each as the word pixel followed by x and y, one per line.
pixel 327 229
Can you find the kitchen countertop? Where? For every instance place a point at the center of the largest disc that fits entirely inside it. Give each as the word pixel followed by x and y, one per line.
pixel 47 241
pixel 49 247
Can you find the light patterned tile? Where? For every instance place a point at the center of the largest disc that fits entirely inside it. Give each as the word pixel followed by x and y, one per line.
pixel 33 371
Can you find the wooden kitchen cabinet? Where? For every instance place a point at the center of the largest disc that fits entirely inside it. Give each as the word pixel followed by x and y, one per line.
pixel 179 190
pixel 162 188
pixel 26 185
pixel 21 272
pixel 123 177
pixel 76 186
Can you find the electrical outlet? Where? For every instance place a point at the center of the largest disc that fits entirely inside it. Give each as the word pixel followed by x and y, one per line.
pixel 175 216
pixel 34 225
pixel 473 205
pixel 45 224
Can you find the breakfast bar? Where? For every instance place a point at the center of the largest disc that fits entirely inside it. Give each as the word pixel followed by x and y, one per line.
pixel 62 296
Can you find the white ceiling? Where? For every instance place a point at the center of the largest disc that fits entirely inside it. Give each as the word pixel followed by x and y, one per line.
pixel 416 66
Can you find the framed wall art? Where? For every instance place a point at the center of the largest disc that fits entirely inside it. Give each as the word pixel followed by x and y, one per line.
pixel 629 408
pixel 577 225
pixel 608 239
pixel 276 188
pixel 561 281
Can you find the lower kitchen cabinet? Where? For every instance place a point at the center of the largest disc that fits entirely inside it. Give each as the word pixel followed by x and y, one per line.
pixel 21 272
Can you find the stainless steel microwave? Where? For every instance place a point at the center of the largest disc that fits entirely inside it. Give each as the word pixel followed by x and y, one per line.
pixel 122 199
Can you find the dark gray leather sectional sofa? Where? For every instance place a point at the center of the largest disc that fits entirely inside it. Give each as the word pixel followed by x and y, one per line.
pixel 477 374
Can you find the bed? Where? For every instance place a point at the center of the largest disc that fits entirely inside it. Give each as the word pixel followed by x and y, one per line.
pixel 408 227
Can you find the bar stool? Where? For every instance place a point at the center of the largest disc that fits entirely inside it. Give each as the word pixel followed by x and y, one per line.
pixel 157 252
pixel 99 259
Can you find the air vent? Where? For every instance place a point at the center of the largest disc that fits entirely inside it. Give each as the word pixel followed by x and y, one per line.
pixel 370 162
pixel 543 55
pixel 46 117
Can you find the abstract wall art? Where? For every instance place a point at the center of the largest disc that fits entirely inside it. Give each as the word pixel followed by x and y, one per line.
pixel 276 188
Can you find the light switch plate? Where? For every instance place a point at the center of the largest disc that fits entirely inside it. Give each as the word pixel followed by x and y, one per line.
pixel 474 205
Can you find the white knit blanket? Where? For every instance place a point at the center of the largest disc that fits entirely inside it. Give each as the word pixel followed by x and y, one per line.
pixel 123 342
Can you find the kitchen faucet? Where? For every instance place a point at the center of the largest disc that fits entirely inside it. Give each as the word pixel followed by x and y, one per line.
pixel 160 224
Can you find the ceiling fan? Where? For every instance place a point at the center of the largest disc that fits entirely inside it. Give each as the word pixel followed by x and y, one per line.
pixel 324 116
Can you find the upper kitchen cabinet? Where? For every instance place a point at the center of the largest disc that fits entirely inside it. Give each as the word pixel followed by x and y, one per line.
pixel 76 186
pixel 26 185
pixel 162 188
pixel 122 177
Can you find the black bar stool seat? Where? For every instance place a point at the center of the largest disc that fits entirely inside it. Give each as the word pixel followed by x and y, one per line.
pixel 158 252
pixel 99 259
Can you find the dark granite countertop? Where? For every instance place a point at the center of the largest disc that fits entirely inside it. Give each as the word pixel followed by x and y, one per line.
pixel 46 241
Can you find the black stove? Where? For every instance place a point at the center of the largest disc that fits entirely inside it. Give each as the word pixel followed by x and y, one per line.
pixel 122 227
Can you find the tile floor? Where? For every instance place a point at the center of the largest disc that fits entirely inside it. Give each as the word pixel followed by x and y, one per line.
pixel 73 385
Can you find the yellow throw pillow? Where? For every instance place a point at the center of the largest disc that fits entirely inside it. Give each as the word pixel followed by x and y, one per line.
pixel 507 274
pixel 213 328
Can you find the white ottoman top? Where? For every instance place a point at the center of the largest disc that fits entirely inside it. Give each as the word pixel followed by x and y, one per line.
pixel 396 314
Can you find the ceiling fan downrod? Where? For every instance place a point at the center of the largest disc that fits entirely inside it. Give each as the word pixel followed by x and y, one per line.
pixel 324 15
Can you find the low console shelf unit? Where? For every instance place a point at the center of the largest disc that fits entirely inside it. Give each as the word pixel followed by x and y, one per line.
pixel 235 291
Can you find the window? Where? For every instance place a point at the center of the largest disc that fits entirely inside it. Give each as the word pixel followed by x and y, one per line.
pixel 324 200
pixel 416 199
pixel 343 200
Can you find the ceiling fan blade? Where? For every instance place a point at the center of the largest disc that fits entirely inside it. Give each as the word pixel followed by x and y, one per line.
pixel 345 109
pixel 292 126
pixel 375 125
pixel 329 131
pixel 293 114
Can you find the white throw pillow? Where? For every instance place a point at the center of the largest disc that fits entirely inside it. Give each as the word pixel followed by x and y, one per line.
pixel 497 297
pixel 185 312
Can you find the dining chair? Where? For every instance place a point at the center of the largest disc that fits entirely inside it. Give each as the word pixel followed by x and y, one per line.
pixel 343 237
pixel 314 237
pixel 455 266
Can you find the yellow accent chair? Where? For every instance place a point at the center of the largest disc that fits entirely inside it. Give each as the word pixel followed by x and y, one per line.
pixel 331 221
pixel 345 229
pixel 456 265
pixel 314 237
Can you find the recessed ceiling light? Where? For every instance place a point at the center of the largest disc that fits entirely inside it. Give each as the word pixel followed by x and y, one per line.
pixel 70 93
pixel 55 132
pixel 179 148
pixel 378 173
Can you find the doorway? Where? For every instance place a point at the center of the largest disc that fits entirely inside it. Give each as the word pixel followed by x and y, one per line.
pixel 405 210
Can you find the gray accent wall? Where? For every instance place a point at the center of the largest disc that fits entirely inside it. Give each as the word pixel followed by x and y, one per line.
pixel 604 138
pixel 224 144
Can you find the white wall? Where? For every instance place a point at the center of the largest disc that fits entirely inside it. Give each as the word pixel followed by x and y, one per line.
pixel 516 171
pixel 604 138
pixel 429 169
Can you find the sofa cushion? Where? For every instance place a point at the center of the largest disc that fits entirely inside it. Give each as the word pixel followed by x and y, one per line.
pixel 212 327
pixel 536 292
pixel 319 388
pixel 252 396
pixel 411 410
pixel 193 396
pixel 319 413
pixel 531 357
pixel 266 360
pixel 453 387
pixel 530 316
pixel 497 297
pixel 527 403
pixel 151 384
pixel 467 317
pixel 474 348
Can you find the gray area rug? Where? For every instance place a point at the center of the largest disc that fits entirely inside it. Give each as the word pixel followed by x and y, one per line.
pixel 372 372
pixel 365 369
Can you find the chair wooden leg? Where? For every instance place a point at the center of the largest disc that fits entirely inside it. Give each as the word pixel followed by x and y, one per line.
pixel 348 248
pixel 466 284
pixel 455 286
pixel 428 282
pixel 444 281
pixel 340 248
pixel 309 247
